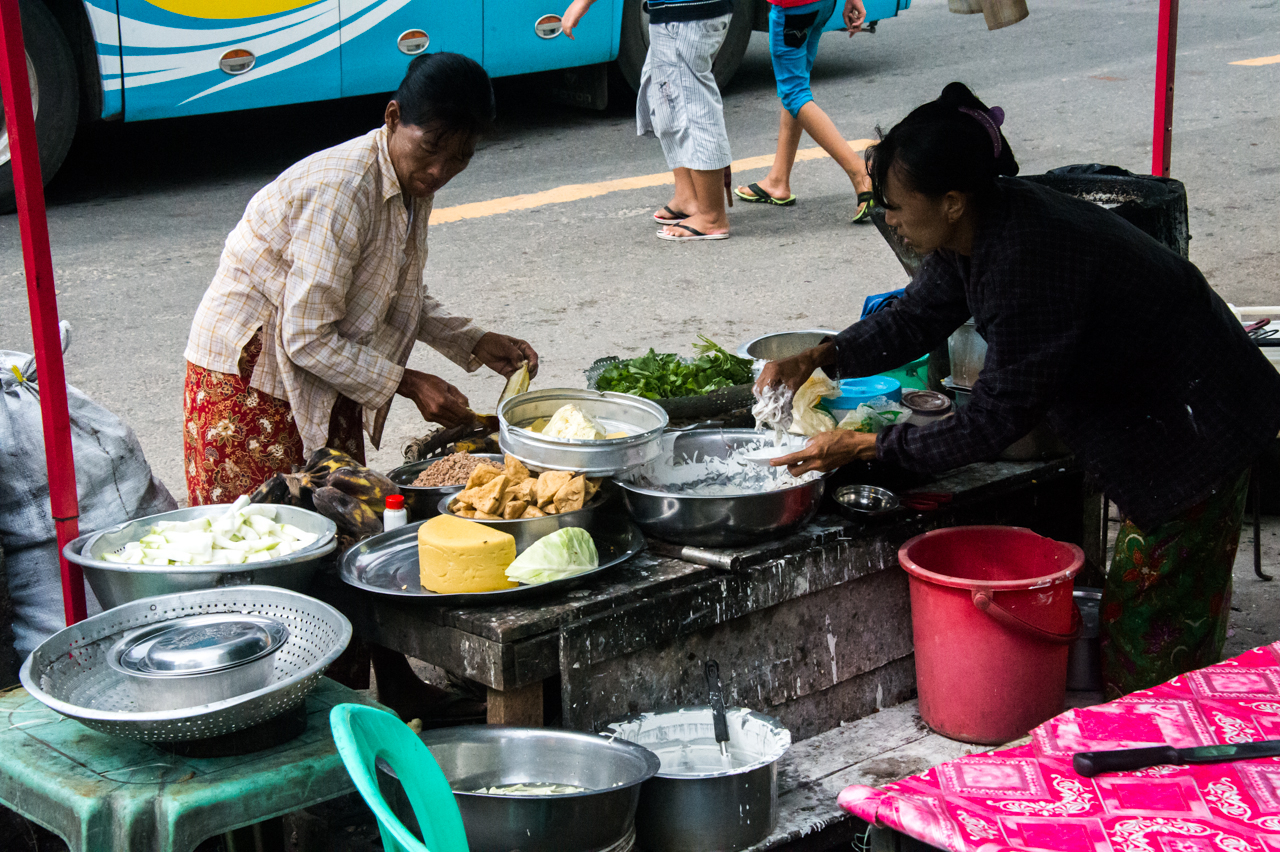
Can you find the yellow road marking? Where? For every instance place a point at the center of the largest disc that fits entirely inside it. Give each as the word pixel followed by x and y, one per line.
pixel 579 191
pixel 1261 60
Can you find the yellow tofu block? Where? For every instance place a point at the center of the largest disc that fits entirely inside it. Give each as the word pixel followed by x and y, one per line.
pixel 456 556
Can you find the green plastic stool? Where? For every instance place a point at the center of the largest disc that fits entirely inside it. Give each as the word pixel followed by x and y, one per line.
pixel 363 735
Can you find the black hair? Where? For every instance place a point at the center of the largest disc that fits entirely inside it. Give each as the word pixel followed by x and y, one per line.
pixel 449 91
pixel 939 148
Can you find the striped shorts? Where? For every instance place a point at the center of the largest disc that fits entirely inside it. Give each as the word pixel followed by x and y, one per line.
pixel 678 100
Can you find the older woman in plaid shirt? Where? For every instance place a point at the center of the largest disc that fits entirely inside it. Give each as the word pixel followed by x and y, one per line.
pixel 302 338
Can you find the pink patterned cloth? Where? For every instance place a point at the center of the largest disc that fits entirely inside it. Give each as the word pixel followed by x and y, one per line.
pixel 1029 797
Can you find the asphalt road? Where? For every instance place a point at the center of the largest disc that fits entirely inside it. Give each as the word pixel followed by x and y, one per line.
pixel 139 213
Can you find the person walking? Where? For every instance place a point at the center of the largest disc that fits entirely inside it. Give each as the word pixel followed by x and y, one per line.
pixel 679 103
pixel 795 27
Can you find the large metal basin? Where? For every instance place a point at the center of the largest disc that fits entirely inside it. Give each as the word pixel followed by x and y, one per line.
pixel 783 344
pixel 115 584
pixel 477 756
pixel 735 521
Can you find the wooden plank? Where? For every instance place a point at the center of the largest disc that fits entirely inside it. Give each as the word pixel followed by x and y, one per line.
pixel 521 706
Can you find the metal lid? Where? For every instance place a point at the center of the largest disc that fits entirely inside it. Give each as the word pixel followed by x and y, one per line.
pixel 925 402
pixel 201 644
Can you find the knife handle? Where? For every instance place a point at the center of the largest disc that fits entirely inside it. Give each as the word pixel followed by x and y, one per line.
pixel 1091 763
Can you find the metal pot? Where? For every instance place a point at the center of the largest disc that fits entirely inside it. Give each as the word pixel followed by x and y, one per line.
pixel 642 420
pixel 729 521
pixel 783 344
pixel 197 660
pixel 421 502
pixel 700 801
pixel 477 756
pixel 114 583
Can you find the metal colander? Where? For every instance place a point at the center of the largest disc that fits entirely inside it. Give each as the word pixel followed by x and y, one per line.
pixel 69 672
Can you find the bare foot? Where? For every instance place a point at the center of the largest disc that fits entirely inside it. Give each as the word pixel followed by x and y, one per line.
pixel 702 222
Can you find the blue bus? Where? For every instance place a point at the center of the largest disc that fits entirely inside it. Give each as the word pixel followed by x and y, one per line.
pixel 135 60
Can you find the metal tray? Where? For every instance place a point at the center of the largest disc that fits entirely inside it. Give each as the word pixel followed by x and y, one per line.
pixel 387 564
pixel 644 419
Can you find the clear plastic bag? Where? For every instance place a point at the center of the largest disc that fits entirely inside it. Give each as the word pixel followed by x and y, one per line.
pixel 874 416
pixel 806 417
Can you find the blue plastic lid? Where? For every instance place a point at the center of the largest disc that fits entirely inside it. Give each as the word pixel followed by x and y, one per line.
pixel 854 392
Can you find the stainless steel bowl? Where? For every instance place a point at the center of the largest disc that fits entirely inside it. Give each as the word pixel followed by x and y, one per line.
pixel 198 659
pixel 421 502
pixel 720 521
pixel 700 801
pixel 528 530
pixel 866 501
pixel 642 419
pixel 477 756
pixel 783 344
pixel 115 584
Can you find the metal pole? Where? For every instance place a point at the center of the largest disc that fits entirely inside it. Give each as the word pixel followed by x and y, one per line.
pixel 1166 51
pixel 34 228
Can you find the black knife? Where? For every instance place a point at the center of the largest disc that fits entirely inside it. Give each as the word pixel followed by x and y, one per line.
pixel 1091 763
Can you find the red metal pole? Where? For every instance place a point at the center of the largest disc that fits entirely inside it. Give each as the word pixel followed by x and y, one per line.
pixel 34 227
pixel 1166 51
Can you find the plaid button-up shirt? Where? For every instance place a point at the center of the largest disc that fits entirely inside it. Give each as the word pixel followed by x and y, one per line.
pixel 1137 364
pixel 327 261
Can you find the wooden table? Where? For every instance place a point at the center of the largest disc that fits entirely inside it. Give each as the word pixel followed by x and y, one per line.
pixel 814 629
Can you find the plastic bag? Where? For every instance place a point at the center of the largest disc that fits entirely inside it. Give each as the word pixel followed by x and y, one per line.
pixel 806 417
pixel 874 416
pixel 113 481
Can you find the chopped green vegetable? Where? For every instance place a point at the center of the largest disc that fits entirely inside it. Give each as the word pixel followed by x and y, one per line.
pixel 564 553
pixel 667 376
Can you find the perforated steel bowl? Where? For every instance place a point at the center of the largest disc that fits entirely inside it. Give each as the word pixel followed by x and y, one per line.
pixel 70 672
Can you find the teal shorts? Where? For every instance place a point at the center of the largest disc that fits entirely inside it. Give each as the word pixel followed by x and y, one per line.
pixel 793 45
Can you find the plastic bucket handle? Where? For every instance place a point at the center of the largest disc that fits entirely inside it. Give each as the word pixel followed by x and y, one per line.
pixel 986 602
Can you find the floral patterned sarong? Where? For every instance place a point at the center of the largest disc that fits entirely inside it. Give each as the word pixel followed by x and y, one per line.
pixel 235 437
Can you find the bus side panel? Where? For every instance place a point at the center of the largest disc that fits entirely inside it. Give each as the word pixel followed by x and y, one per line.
pixel 877 10
pixel 106 40
pixel 512 47
pixel 170 59
pixel 371 59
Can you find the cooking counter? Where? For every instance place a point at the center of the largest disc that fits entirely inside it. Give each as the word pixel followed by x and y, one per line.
pixel 814 629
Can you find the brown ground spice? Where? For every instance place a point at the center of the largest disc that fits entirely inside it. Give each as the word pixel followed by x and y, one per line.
pixel 451 470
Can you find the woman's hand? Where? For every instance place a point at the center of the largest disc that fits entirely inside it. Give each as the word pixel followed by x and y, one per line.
pixel 796 370
pixel 854 14
pixel 437 400
pixel 572 15
pixel 828 451
pixel 504 354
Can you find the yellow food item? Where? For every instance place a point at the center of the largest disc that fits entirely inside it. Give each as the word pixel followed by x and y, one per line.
pixel 539 424
pixel 573 423
pixel 456 556
pixel 616 435
pixel 516 385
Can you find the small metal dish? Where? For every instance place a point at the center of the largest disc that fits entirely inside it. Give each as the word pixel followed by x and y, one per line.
pixel 423 502
pixel 198 659
pixel 864 502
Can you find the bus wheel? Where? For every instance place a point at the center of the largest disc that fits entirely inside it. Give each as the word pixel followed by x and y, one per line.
pixel 55 97
pixel 634 42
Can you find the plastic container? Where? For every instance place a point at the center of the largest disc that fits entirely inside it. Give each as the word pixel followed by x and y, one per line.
pixel 992 618
pixel 854 392
pixel 913 376
pixel 395 515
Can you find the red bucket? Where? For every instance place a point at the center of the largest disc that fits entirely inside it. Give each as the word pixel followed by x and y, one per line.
pixel 992 617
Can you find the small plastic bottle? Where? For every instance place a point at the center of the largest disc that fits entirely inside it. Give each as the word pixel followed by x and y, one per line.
pixel 395 515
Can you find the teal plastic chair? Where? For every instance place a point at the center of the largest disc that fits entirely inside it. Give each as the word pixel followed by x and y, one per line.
pixel 364 734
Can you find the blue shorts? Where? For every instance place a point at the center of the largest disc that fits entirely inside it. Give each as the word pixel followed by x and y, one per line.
pixel 793 45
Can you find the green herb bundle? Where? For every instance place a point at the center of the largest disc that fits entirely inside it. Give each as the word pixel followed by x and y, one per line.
pixel 667 376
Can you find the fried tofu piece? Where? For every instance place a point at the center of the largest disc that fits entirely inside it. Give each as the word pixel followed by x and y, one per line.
pixel 514 509
pixel 466 497
pixel 483 475
pixel 486 516
pixel 462 511
pixel 549 484
pixel 525 490
pixel 532 511
pixel 515 470
pixel 572 496
pixel 592 486
pixel 488 498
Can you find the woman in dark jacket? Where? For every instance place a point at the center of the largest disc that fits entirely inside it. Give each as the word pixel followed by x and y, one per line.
pixel 1119 342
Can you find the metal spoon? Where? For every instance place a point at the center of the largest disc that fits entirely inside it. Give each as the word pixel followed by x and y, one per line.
pixel 716 695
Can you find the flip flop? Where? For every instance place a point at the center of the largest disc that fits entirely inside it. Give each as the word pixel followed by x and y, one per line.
pixel 694 235
pixel 676 216
pixel 759 196
pixel 866 200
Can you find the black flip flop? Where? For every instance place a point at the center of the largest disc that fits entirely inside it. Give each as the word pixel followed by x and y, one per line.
pixel 676 216
pixel 759 196
pixel 694 235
